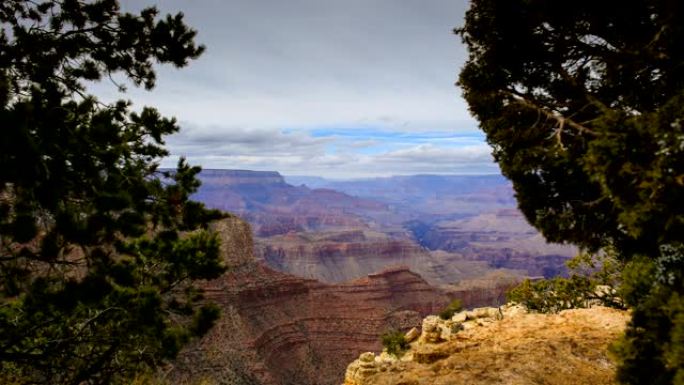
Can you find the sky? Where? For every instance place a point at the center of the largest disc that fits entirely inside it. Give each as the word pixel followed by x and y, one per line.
pixel 338 89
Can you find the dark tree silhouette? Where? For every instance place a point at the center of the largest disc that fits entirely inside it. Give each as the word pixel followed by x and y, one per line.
pixel 583 104
pixel 98 249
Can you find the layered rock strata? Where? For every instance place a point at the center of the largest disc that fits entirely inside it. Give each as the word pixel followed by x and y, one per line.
pixel 335 236
pixel 503 239
pixel 280 329
pixel 274 207
pixel 338 256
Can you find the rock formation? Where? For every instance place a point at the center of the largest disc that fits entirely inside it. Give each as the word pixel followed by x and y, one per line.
pixel 504 345
pixel 274 207
pixel 445 228
pixel 281 329
pixel 502 239
pixel 338 256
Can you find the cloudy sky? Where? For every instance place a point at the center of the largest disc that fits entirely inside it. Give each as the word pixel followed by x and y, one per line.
pixel 331 88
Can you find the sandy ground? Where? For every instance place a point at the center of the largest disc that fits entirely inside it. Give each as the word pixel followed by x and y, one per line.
pixel 522 348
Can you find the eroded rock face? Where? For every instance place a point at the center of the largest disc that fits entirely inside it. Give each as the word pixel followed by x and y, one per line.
pixel 446 229
pixel 503 239
pixel 280 329
pixel 274 207
pixel 339 256
pixel 237 245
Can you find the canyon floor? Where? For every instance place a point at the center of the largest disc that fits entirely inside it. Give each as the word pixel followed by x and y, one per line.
pixel 510 346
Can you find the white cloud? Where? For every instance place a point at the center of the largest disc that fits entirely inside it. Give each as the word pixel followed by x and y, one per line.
pixel 429 153
pixel 298 153
pixel 216 141
pixel 276 70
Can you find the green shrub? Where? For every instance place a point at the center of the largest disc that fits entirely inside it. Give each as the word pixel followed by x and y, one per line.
pixel 454 307
pixel 552 295
pixel 395 342
pixel 595 280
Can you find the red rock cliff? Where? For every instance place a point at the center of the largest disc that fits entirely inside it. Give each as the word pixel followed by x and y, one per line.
pixel 280 329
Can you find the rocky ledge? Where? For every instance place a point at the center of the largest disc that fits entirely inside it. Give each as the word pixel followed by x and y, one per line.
pixel 504 345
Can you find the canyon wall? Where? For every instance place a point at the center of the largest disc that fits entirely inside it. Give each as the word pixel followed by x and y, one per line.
pixel 240 177
pixel 337 256
pixel 445 228
pixel 331 271
pixel 502 239
pixel 280 329
pixel 274 207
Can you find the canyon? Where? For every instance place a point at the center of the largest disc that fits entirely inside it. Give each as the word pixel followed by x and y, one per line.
pixel 339 256
pixel 317 274
pixel 277 328
pixel 445 228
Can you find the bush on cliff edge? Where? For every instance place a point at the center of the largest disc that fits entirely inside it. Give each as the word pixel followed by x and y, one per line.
pixel 593 280
pixel 454 307
pixel 394 341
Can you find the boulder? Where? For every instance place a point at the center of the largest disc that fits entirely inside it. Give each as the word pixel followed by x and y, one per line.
pixel 430 323
pixel 434 337
pixel 367 357
pixel 459 317
pixel 412 335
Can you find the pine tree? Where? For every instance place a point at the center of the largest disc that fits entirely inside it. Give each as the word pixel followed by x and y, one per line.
pixel 98 248
pixel 583 104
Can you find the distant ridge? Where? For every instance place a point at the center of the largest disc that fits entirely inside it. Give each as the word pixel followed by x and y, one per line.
pixel 238 177
pixel 231 172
